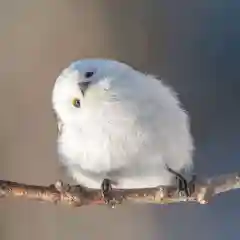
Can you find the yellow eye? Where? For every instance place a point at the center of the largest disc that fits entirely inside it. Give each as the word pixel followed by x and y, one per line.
pixel 76 102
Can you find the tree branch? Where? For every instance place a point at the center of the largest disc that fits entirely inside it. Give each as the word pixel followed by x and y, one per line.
pixel 78 196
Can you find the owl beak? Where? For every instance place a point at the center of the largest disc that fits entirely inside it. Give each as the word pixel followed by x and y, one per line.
pixel 83 86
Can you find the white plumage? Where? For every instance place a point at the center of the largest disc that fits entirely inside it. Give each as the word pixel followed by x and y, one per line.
pixel 128 126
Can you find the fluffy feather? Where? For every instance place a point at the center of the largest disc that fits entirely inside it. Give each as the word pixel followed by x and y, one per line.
pixel 128 127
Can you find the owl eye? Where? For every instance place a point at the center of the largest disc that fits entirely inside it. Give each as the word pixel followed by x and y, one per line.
pixel 88 74
pixel 76 103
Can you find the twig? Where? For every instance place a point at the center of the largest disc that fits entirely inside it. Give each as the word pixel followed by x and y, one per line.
pixel 78 196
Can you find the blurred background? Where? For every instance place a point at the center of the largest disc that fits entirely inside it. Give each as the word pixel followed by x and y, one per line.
pixel 193 45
